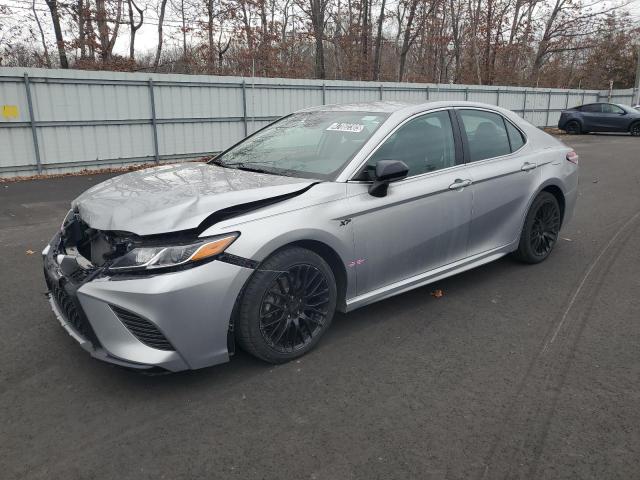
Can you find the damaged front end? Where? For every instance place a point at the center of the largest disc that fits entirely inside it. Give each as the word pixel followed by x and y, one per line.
pixel 65 271
pixel 83 259
pixel 81 250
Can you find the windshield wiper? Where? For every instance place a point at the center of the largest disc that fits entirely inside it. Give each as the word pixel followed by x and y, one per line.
pixel 242 166
pixel 249 167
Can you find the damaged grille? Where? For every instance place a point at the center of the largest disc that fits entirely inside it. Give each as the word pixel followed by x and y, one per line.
pixel 71 311
pixel 143 329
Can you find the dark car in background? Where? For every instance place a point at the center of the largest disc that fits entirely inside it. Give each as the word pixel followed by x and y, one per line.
pixel 600 117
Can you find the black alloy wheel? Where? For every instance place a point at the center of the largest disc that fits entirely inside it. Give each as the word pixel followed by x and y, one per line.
pixel 635 130
pixel 573 128
pixel 294 308
pixel 541 228
pixel 287 305
pixel 544 232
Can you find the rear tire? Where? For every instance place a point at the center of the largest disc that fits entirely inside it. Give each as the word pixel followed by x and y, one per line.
pixel 540 231
pixel 573 128
pixel 634 130
pixel 288 304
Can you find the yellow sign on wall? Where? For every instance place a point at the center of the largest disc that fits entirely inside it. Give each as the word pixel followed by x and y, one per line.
pixel 9 112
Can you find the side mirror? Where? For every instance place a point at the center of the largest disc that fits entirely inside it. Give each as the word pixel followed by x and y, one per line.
pixel 387 171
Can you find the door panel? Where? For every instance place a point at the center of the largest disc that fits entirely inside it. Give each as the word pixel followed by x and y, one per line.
pixel 591 116
pixel 501 194
pixel 503 182
pixel 612 119
pixel 421 224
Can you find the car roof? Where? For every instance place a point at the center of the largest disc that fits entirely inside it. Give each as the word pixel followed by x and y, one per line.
pixel 373 107
pixel 397 106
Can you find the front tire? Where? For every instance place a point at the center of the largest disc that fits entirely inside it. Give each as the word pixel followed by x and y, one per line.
pixel 287 305
pixel 540 231
pixel 634 130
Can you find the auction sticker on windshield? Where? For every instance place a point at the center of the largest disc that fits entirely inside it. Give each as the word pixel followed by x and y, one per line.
pixel 346 127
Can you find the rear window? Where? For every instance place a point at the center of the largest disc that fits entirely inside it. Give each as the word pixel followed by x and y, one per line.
pixel 610 108
pixel 486 134
pixel 515 136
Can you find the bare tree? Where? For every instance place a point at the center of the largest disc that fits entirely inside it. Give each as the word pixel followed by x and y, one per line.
pixel 134 27
pixel 106 35
pixel 316 11
pixel 378 51
pixel 55 19
pixel 47 59
pixel 156 61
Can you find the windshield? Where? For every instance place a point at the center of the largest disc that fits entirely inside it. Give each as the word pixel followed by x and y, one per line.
pixel 308 144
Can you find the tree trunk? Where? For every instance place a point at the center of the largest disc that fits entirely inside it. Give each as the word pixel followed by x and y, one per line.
pixel 133 27
pixel 210 36
pixel 457 47
pixel 47 60
pixel 319 65
pixel 116 29
pixel 156 61
pixel 55 18
pixel 103 29
pixel 487 42
pixel 81 29
pixel 317 12
pixel 378 52
pixel 184 32
pixel 543 46
pixel 475 20
pixel 406 41
pixel 364 38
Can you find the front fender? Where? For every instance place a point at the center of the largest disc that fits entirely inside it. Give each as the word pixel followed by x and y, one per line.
pixel 319 217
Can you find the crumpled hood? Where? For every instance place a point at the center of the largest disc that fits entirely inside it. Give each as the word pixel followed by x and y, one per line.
pixel 170 198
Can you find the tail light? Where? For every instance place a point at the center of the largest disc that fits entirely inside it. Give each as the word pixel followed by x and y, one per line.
pixel 572 157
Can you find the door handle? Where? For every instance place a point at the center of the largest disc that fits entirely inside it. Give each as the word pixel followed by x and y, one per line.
pixel 459 183
pixel 528 166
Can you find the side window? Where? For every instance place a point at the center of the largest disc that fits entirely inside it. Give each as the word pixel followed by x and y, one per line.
pixel 486 134
pixel 515 136
pixel 425 144
pixel 609 108
pixel 593 108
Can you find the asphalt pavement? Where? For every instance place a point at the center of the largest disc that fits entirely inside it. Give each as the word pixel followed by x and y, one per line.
pixel 516 372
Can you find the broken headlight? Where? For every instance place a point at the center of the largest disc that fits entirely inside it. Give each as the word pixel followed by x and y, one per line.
pixel 155 257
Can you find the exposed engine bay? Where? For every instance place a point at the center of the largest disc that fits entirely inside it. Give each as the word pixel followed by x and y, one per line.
pixel 96 248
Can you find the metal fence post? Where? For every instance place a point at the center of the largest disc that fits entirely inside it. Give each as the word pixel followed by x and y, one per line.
pixel 498 97
pixel 244 107
pixel 324 94
pixel 32 121
pixel 427 92
pixel 546 122
pixel 154 124
pixel 583 93
pixel 466 94
pixel 381 92
pixel 524 105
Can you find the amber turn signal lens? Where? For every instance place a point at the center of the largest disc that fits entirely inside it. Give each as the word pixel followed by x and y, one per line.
pixel 212 248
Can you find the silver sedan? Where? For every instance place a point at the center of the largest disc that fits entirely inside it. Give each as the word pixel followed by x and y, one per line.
pixel 330 208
